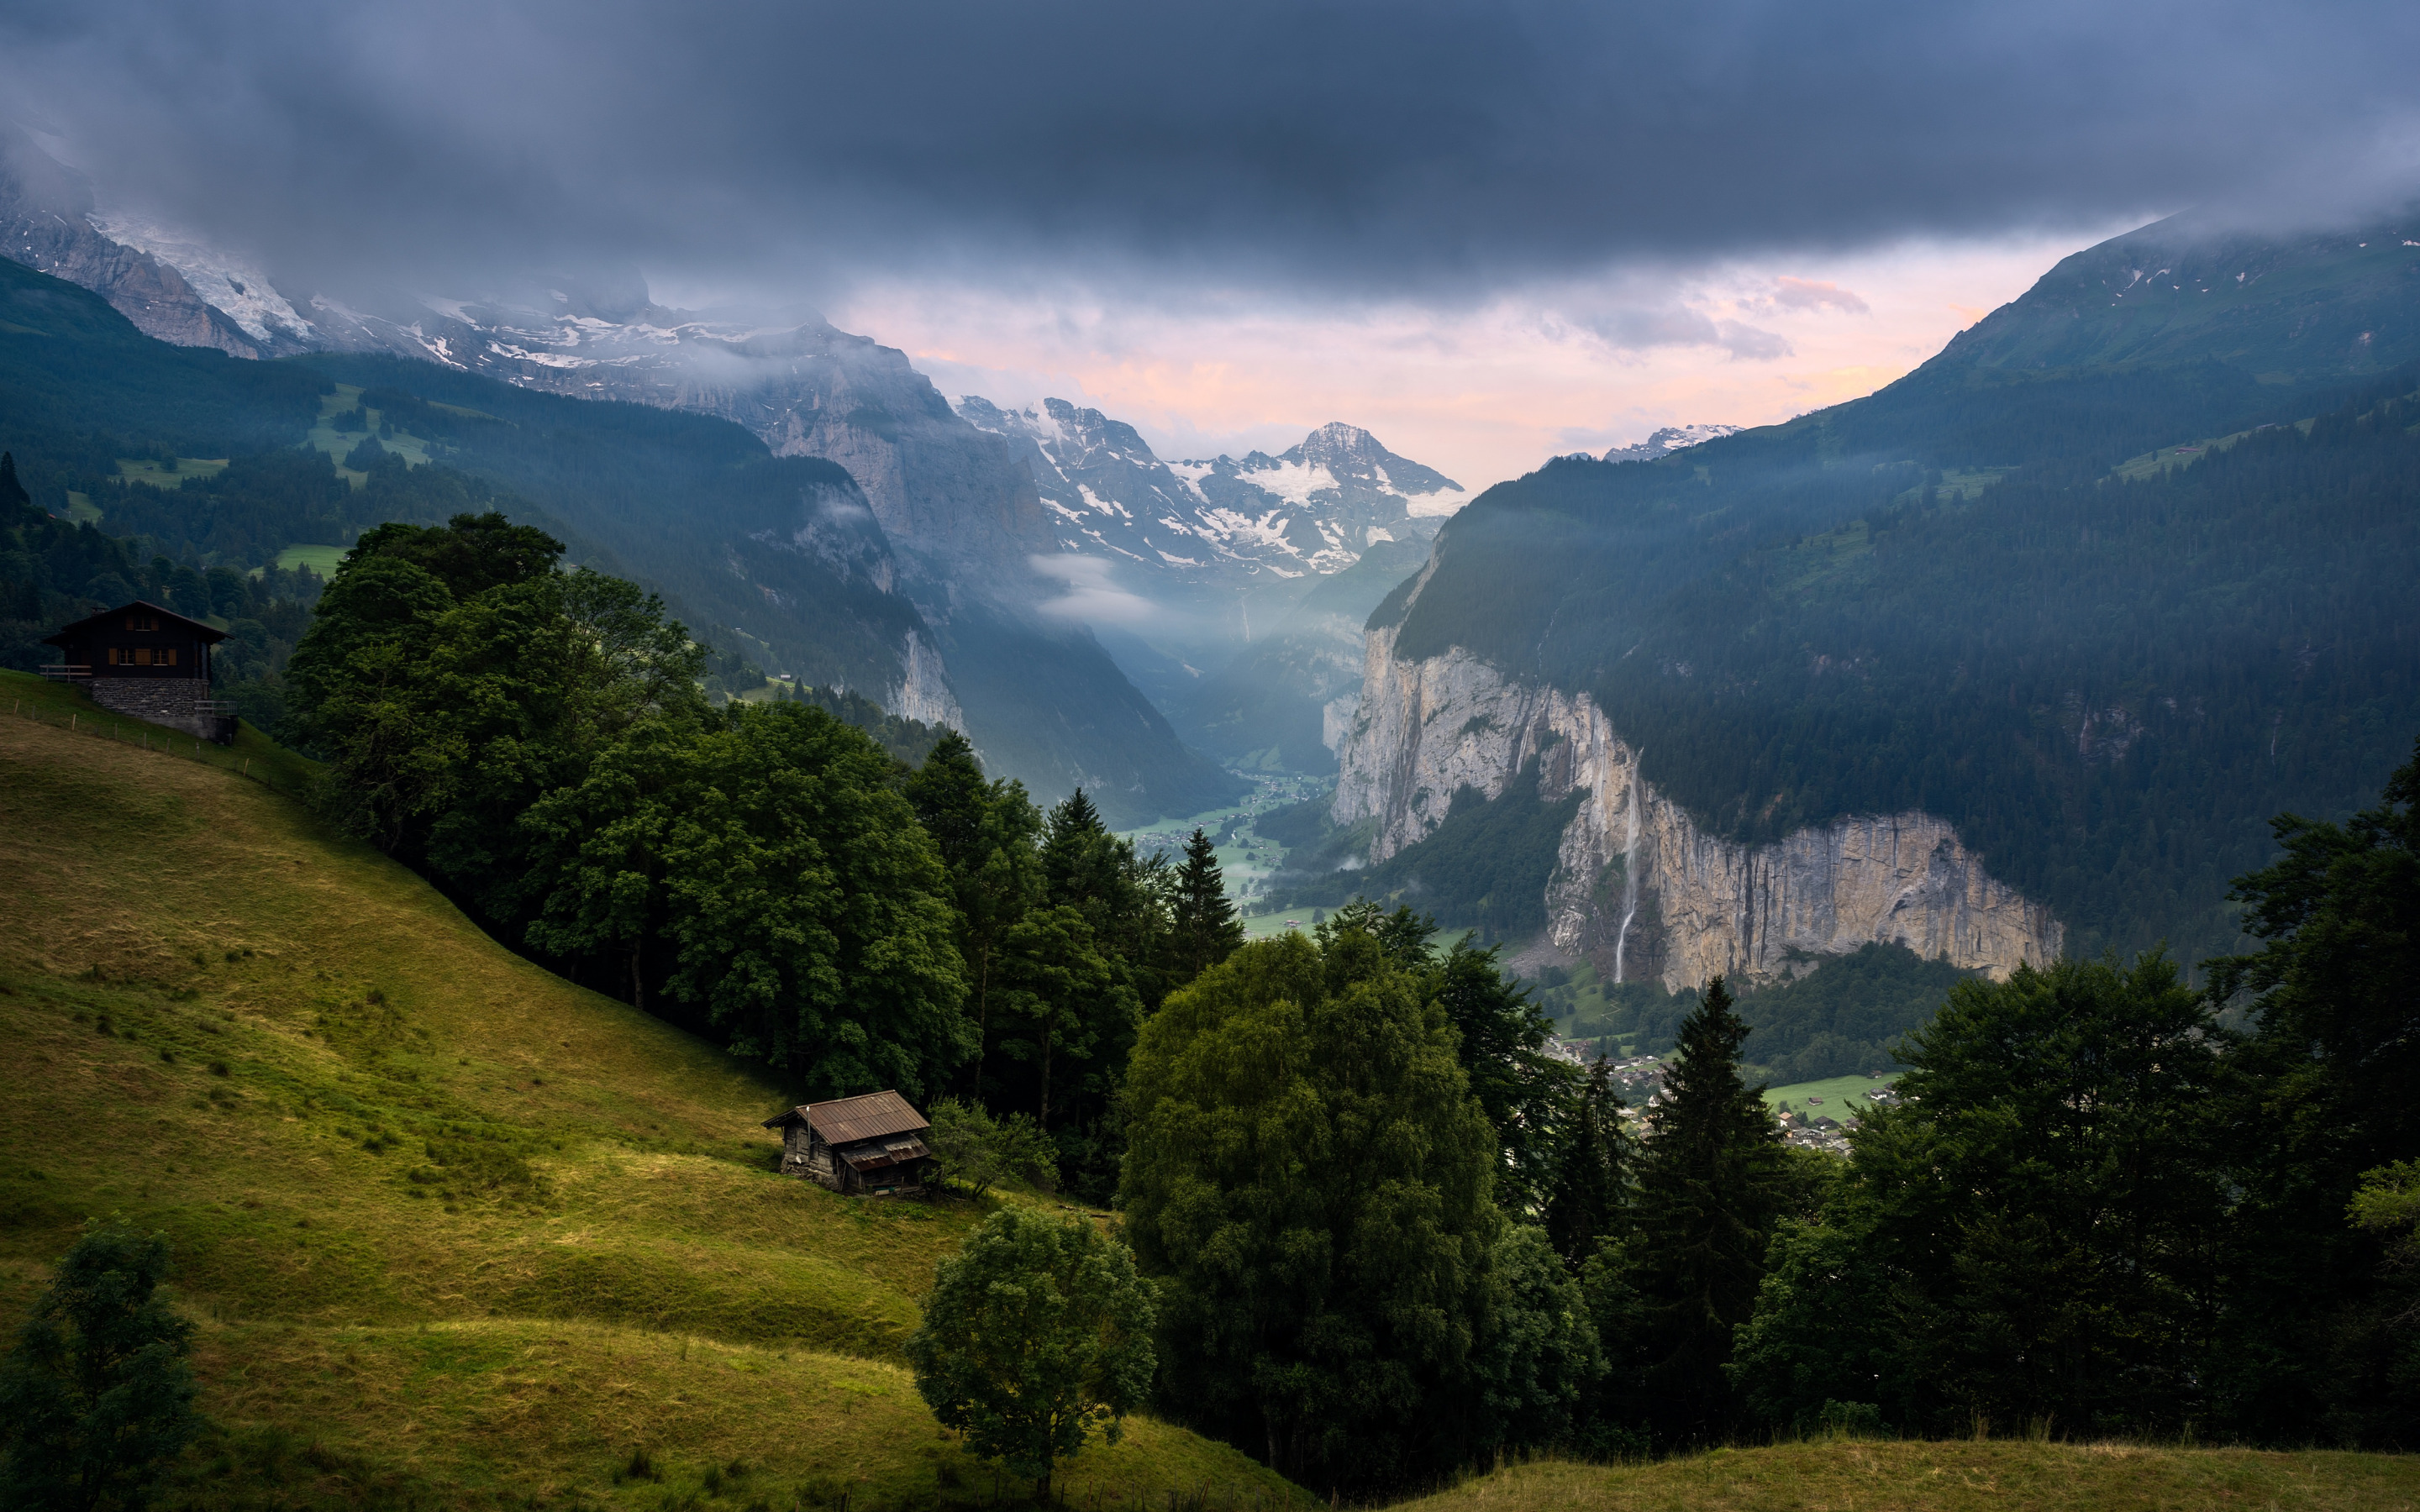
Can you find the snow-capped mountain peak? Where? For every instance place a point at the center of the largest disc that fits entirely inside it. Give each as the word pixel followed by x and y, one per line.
pixel 240 289
pixel 1667 441
pixel 1313 508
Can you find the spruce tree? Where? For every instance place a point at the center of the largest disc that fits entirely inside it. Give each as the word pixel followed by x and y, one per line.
pixel 951 800
pixel 1712 1183
pixel 1206 930
pixel 1590 1199
pixel 11 491
pixel 1073 822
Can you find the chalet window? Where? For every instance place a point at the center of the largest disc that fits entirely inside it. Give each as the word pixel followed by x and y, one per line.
pixel 142 621
pixel 140 656
pixel 116 655
pixel 166 657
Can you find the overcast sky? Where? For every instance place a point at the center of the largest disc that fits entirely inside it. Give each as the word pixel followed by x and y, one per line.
pixel 1482 230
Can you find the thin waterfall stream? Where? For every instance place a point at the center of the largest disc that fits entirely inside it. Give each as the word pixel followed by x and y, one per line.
pixel 1629 875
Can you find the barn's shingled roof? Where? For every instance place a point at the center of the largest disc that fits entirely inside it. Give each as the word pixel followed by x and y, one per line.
pixel 206 634
pixel 848 1119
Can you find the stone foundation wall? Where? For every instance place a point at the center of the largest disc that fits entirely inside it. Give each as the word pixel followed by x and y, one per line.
pixel 179 702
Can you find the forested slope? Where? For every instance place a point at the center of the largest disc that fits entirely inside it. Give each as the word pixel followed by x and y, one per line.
pixel 1949 598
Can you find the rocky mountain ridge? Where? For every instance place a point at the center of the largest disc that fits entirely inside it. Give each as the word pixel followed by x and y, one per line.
pixel 1313 509
pixel 46 222
pixel 970 505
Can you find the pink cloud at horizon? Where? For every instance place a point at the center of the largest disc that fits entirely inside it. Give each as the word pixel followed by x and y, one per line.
pixel 1482 394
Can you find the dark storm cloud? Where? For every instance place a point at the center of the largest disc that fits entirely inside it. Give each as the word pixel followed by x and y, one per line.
pixel 1369 149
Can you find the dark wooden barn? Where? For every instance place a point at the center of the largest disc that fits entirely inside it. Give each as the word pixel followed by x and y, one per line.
pixel 869 1146
pixel 148 663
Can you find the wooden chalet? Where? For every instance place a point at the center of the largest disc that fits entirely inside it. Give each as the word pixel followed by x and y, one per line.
pixel 869 1146
pixel 148 663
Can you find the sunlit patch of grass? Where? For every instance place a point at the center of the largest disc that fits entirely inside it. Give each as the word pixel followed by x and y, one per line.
pixel 153 474
pixel 339 444
pixel 323 560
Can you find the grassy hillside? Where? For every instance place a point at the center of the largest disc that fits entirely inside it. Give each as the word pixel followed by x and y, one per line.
pixel 458 1232
pixel 1953 1477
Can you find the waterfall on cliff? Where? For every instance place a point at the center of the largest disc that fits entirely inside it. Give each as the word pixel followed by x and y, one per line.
pixel 1629 875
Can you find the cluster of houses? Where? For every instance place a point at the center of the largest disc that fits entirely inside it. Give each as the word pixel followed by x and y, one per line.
pixel 1813 1131
pixel 1810 1130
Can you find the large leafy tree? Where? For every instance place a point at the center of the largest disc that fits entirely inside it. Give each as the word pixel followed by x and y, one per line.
pixel 1713 1181
pixel 2035 1234
pixel 788 893
pixel 1036 1334
pixel 2334 997
pixel 96 1400
pixel 452 675
pixel 1539 1356
pixel 1073 1013
pixel 1098 928
pixel 1310 1180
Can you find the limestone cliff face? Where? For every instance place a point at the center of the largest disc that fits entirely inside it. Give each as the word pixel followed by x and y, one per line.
pixel 1639 887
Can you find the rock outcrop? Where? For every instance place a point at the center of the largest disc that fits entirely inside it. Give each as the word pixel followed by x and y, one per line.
pixel 1639 888
pixel 46 223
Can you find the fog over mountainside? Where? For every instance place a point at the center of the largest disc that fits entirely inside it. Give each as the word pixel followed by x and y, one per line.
pixel 1013 537
pixel 1224 522
pixel 958 529
pixel 1195 570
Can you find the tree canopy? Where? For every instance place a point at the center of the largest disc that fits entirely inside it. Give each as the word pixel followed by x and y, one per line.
pixel 1310 1181
pixel 1035 1336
